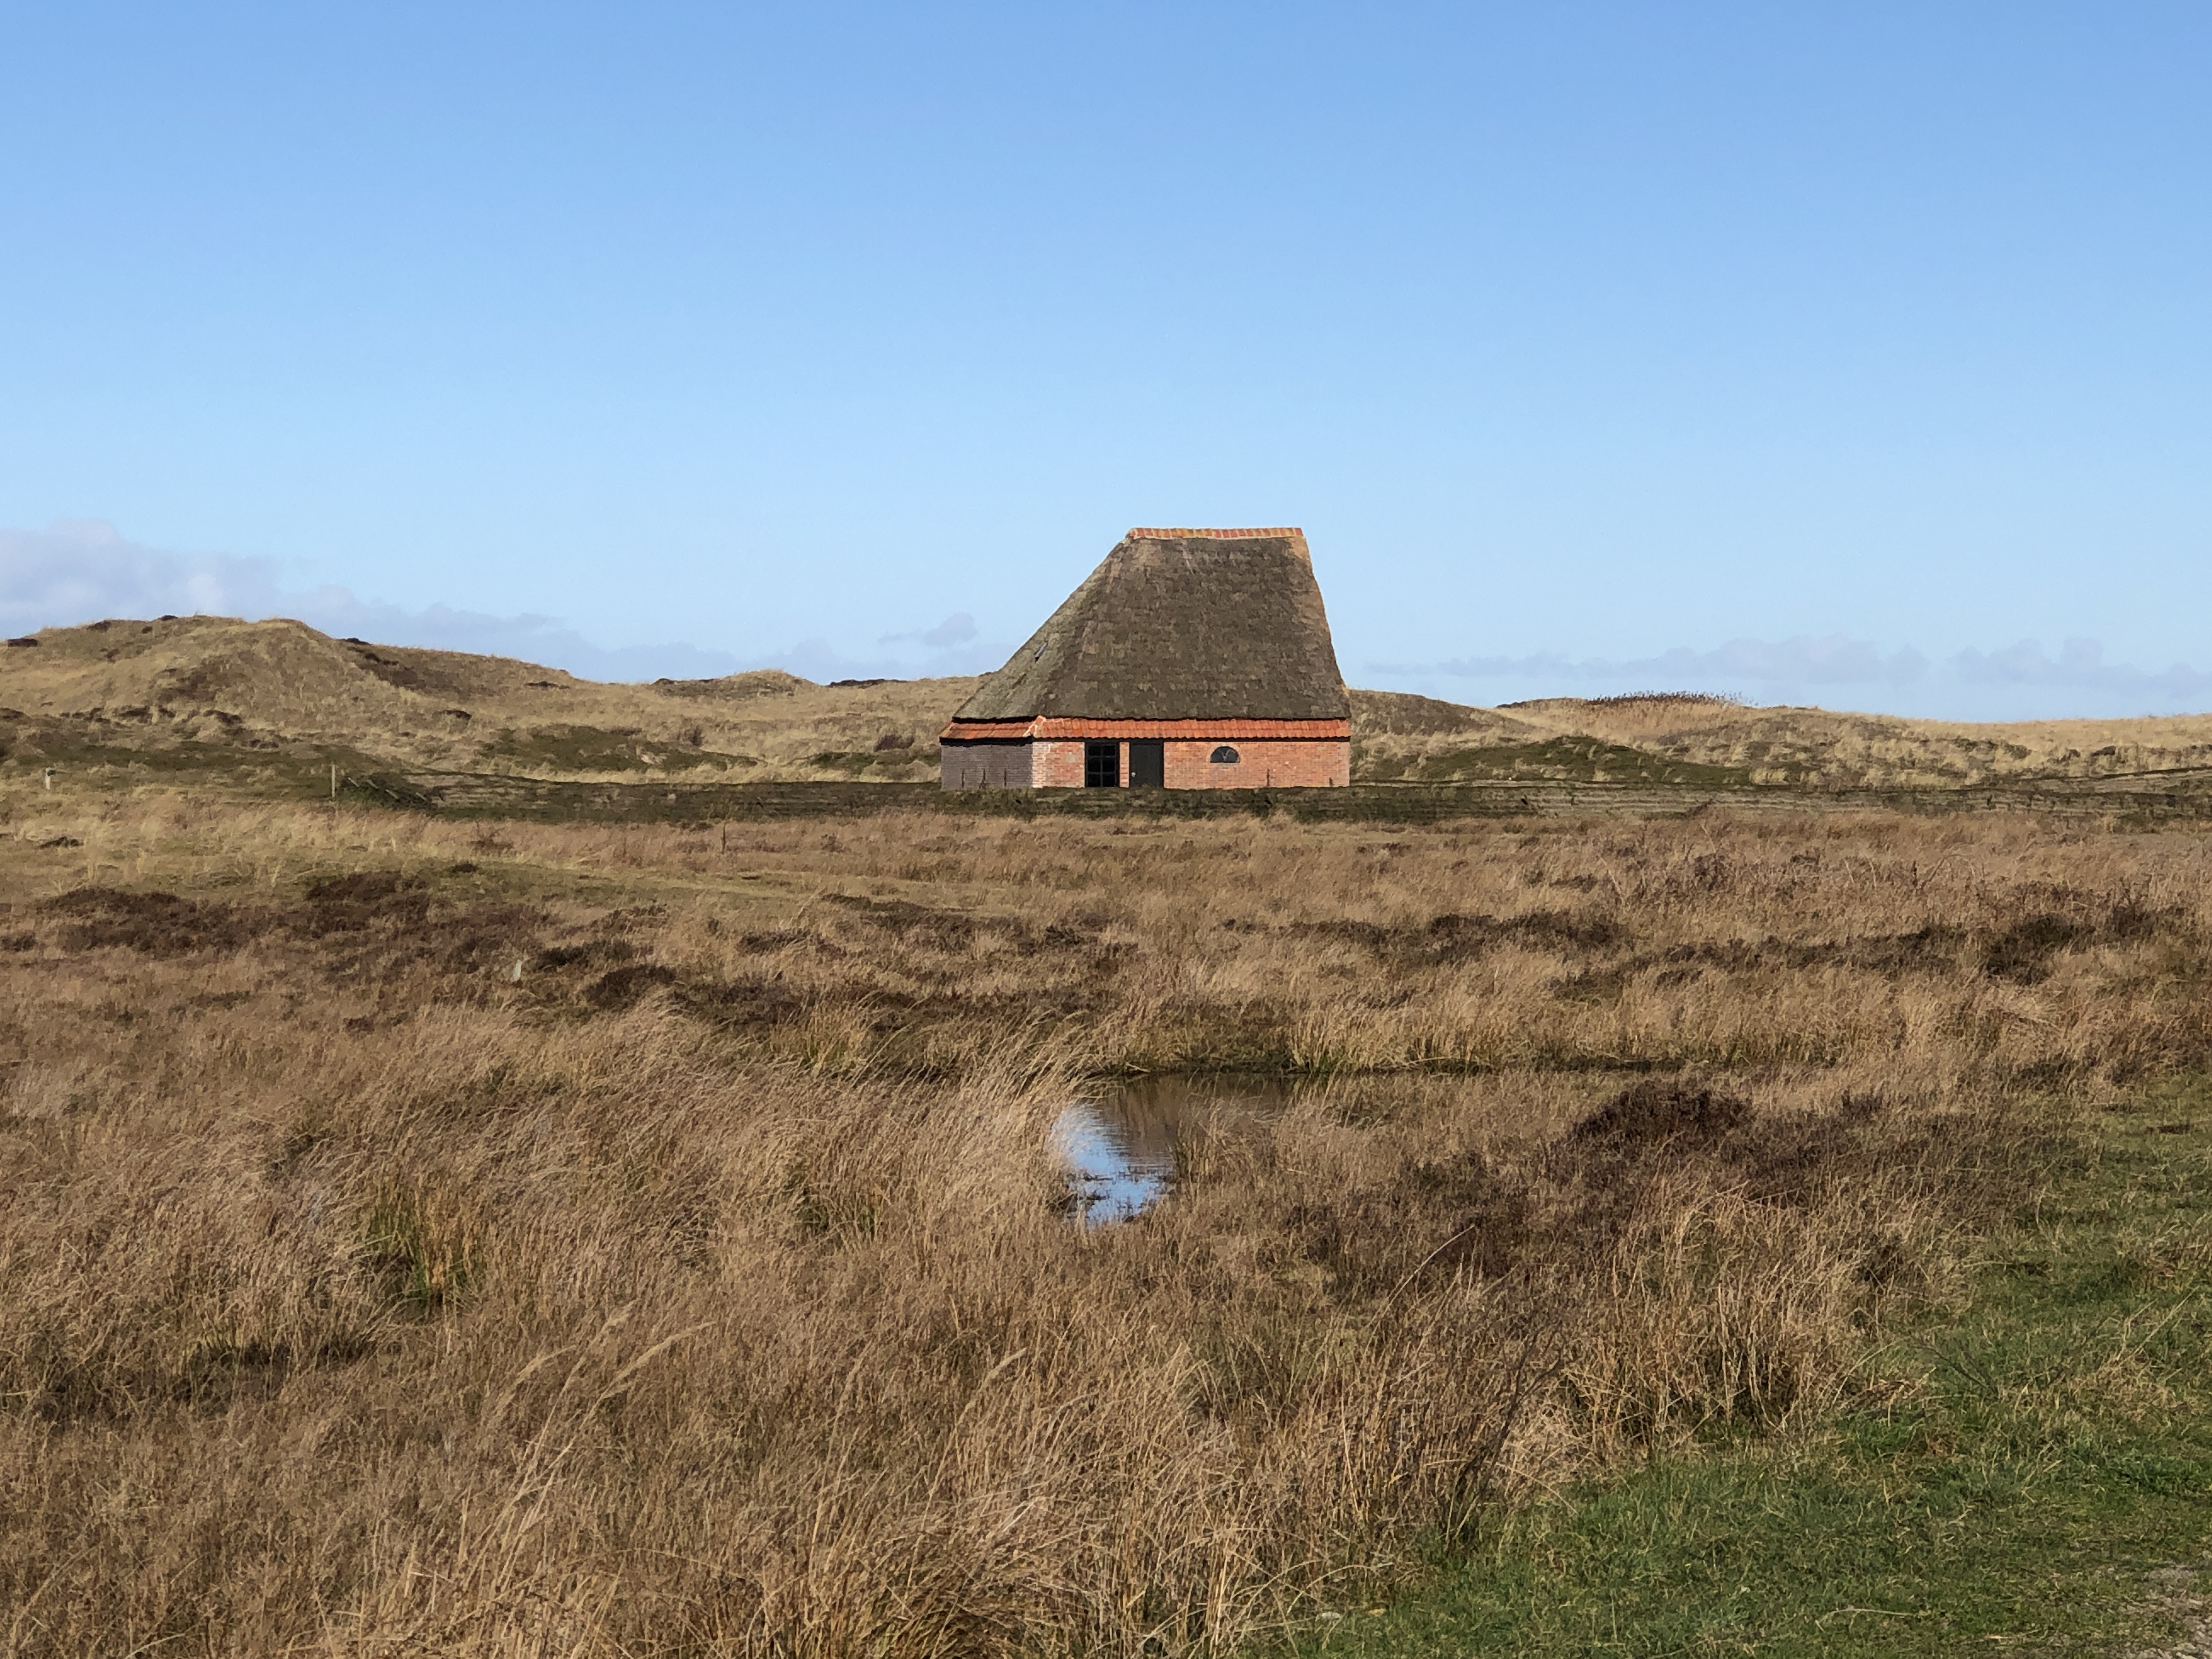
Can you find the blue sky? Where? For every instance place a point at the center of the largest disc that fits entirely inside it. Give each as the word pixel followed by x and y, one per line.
pixel 1851 354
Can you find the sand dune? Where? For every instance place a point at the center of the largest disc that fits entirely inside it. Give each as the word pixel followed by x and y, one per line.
pixel 185 692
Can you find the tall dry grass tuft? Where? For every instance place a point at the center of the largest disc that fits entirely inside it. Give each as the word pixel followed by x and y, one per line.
pixel 707 1289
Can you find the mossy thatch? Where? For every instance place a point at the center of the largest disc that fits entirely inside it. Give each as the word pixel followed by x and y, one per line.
pixel 1179 624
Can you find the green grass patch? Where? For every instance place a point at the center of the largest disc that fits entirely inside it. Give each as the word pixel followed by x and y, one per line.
pixel 2032 1473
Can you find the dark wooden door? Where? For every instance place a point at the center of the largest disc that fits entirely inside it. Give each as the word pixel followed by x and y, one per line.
pixel 1148 764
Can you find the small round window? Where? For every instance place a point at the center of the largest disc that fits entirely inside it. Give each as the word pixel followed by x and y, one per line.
pixel 1224 755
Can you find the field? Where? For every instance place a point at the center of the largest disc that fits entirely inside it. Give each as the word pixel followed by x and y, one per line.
pixel 533 1238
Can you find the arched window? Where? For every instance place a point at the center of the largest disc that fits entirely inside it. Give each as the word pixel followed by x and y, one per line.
pixel 1224 755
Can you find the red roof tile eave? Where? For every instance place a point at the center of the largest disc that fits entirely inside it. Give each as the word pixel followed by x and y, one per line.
pixel 1223 729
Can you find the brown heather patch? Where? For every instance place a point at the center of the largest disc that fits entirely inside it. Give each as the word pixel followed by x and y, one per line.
pixel 704 1290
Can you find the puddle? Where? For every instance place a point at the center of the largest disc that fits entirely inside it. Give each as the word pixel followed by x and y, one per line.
pixel 1119 1146
pixel 1112 1172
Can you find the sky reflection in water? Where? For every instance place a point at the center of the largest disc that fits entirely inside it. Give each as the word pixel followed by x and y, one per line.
pixel 1119 1146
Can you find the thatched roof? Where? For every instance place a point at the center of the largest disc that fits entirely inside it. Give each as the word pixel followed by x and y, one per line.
pixel 1179 624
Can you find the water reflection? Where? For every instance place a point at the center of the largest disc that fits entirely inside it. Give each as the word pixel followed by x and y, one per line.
pixel 1119 1147
pixel 1123 1147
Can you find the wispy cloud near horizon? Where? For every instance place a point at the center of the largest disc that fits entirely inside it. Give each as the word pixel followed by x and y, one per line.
pixel 2021 681
pixel 79 570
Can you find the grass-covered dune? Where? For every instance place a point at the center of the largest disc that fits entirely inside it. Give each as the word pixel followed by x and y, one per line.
pixel 256 705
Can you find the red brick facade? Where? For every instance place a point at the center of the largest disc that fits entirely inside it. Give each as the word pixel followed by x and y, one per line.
pixel 1206 731
pixel 1042 755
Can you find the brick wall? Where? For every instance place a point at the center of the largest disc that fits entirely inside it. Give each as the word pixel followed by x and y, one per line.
pixel 1057 763
pixel 1269 763
pixel 1213 730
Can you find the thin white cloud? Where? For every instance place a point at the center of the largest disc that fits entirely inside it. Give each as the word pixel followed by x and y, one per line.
pixel 82 569
pixel 817 659
pixel 1805 659
pixel 956 629
pixel 2018 681
pixel 79 570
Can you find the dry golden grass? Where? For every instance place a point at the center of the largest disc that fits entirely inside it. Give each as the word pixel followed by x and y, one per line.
pixel 211 689
pixel 705 1290
pixel 1418 738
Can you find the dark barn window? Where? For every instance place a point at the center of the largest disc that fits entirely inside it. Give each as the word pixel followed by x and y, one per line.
pixel 1224 755
pixel 1102 766
pixel 1148 764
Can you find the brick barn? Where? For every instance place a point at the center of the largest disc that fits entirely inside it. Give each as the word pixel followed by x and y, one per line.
pixel 1190 659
